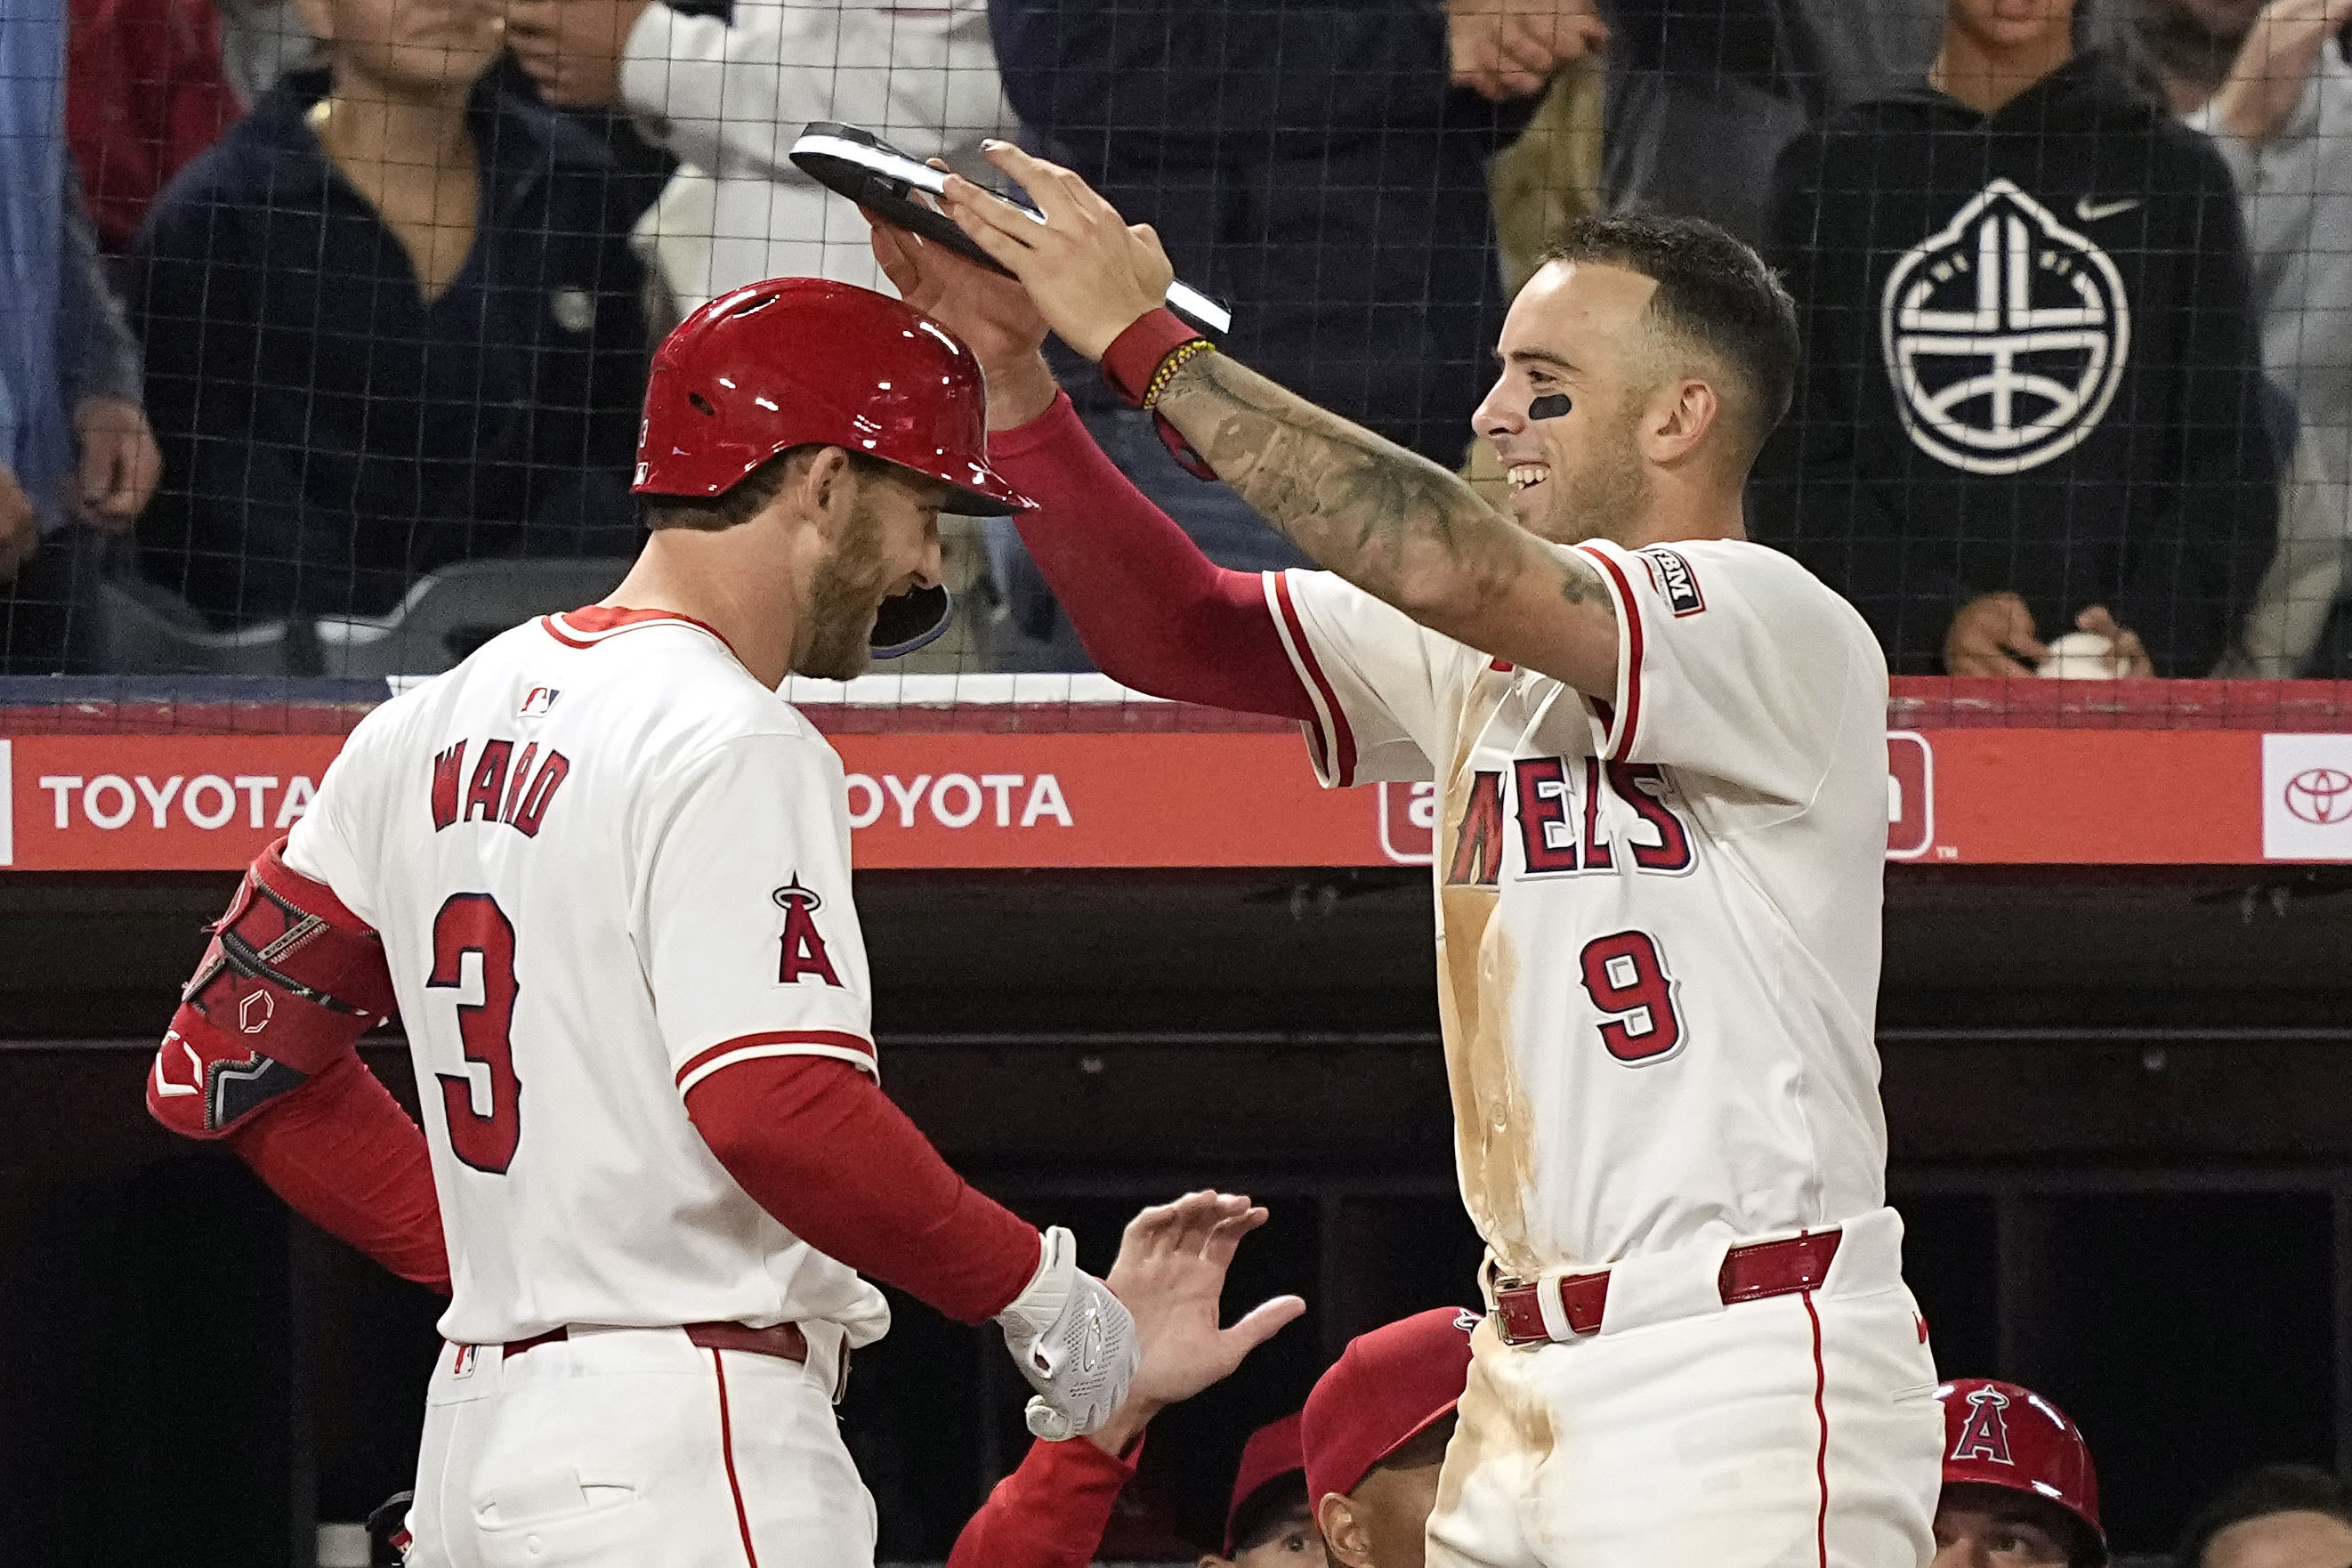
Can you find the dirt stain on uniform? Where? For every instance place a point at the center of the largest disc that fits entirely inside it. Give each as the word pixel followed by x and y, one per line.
pixel 1493 1128
pixel 1502 1424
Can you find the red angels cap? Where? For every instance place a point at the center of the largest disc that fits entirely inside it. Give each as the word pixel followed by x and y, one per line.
pixel 1387 1388
pixel 1999 1435
pixel 1272 1452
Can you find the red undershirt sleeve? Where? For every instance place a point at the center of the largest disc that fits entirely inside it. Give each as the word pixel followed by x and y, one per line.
pixel 1153 612
pixel 1049 1513
pixel 346 1157
pixel 817 1144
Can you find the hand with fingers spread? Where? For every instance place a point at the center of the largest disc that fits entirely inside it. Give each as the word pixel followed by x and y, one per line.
pixel 2274 66
pixel 1089 271
pixel 1993 634
pixel 1170 1272
pixel 992 313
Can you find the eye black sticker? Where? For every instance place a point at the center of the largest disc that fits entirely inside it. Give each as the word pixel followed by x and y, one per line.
pixel 1550 405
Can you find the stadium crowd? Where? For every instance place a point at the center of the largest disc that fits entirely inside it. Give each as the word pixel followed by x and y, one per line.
pixel 310 299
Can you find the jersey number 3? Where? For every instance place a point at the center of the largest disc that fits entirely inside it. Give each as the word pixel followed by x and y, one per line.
pixel 473 922
pixel 1625 975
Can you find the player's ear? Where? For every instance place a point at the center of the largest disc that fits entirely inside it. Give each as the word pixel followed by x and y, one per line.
pixel 1681 415
pixel 828 487
pixel 1344 1535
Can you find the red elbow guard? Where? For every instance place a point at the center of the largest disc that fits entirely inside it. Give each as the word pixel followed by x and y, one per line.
pixel 291 981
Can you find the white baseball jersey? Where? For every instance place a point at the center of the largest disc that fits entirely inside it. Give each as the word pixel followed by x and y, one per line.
pixel 606 862
pixel 1658 917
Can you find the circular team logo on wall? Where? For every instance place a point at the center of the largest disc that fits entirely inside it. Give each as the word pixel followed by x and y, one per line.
pixel 2005 334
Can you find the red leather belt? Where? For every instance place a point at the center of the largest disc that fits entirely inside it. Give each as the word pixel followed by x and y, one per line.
pixel 783 1341
pixel 1749 1274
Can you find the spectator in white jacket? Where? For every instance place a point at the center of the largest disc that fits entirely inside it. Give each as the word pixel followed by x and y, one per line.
pixel 2268 83
pixel 728 95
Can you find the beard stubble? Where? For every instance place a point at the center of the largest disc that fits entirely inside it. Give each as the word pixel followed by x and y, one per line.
pixel 847 590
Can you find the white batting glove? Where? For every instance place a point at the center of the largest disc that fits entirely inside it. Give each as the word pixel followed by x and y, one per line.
pixel 1074 1341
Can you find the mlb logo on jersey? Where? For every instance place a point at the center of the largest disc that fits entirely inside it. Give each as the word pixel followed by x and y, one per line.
pixel 538 701
pixel 1677 584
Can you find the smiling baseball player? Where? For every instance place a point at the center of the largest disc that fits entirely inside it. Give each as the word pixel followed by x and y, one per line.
pixel 603 870
pixel 1662 762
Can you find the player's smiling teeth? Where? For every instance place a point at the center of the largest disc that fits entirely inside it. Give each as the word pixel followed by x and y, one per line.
pixel 1522 475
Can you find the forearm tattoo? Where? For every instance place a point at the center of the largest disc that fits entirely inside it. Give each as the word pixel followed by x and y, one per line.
pixel 1389 520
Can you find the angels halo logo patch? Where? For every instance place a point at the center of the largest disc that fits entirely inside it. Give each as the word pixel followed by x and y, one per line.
pixel 2005 334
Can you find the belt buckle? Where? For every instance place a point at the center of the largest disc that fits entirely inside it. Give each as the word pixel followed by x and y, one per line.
pixel 1518 1311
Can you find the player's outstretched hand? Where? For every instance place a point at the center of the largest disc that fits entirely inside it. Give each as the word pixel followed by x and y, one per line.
pixel 992 313
pixel 1170 1272
pixel 1090 271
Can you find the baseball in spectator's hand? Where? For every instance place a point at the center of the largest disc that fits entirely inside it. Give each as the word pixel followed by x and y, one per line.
pixel 2126 655
pixel 1169 1274
pixel 572 48
pixel 2274 66
pixel 119 463
pixel 1993 634
pixel 1091 273
pixel 19 529
pixel 1509 48
pixel 990 312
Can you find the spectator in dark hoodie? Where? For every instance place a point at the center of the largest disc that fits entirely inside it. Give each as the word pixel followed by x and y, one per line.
pixel 391 321
pixel 2031 402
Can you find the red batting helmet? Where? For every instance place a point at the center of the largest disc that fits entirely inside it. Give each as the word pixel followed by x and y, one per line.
pixel 1998 1434
pixel 796 360
pixel 799 360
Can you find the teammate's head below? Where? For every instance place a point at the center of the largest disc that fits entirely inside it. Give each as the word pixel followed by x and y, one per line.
pixel 2019 1488
pixel 2280 1516
pixel 1642 368
pixel 1268 1523
pixel 1375 1430
pixel 801 439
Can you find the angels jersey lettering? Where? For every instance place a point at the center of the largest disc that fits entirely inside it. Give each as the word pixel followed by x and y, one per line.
pixel 1658 915
pixel 606 862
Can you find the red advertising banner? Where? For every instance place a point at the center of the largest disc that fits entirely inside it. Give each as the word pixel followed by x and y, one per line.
pixel 962 799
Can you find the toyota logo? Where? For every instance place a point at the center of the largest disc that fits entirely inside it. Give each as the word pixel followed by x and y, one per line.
pixel 2320 795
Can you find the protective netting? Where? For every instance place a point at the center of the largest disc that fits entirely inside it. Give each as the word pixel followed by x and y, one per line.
pixel 324 358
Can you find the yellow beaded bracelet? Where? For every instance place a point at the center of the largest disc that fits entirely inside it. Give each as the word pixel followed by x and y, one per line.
pixel 1170 366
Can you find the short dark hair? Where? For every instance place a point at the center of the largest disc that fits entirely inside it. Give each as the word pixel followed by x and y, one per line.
pixel 2273 1489
pixel 1266 1509
pixel 741 501
pixel 1713 293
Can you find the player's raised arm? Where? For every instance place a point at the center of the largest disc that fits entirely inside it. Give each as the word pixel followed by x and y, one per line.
pixel 1390 521
pixel 1153 610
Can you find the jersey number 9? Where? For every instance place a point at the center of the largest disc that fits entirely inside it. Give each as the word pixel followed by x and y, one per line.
pixel 1625 975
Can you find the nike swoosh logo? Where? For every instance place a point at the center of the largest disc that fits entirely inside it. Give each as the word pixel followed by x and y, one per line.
pixel 2090 212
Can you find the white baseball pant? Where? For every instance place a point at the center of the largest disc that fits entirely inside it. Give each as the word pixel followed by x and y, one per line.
pixel 1797 1431
pixel 618 1448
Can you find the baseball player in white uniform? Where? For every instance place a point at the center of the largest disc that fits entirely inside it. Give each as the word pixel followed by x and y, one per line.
pixel 1661 757
pixel 603 872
